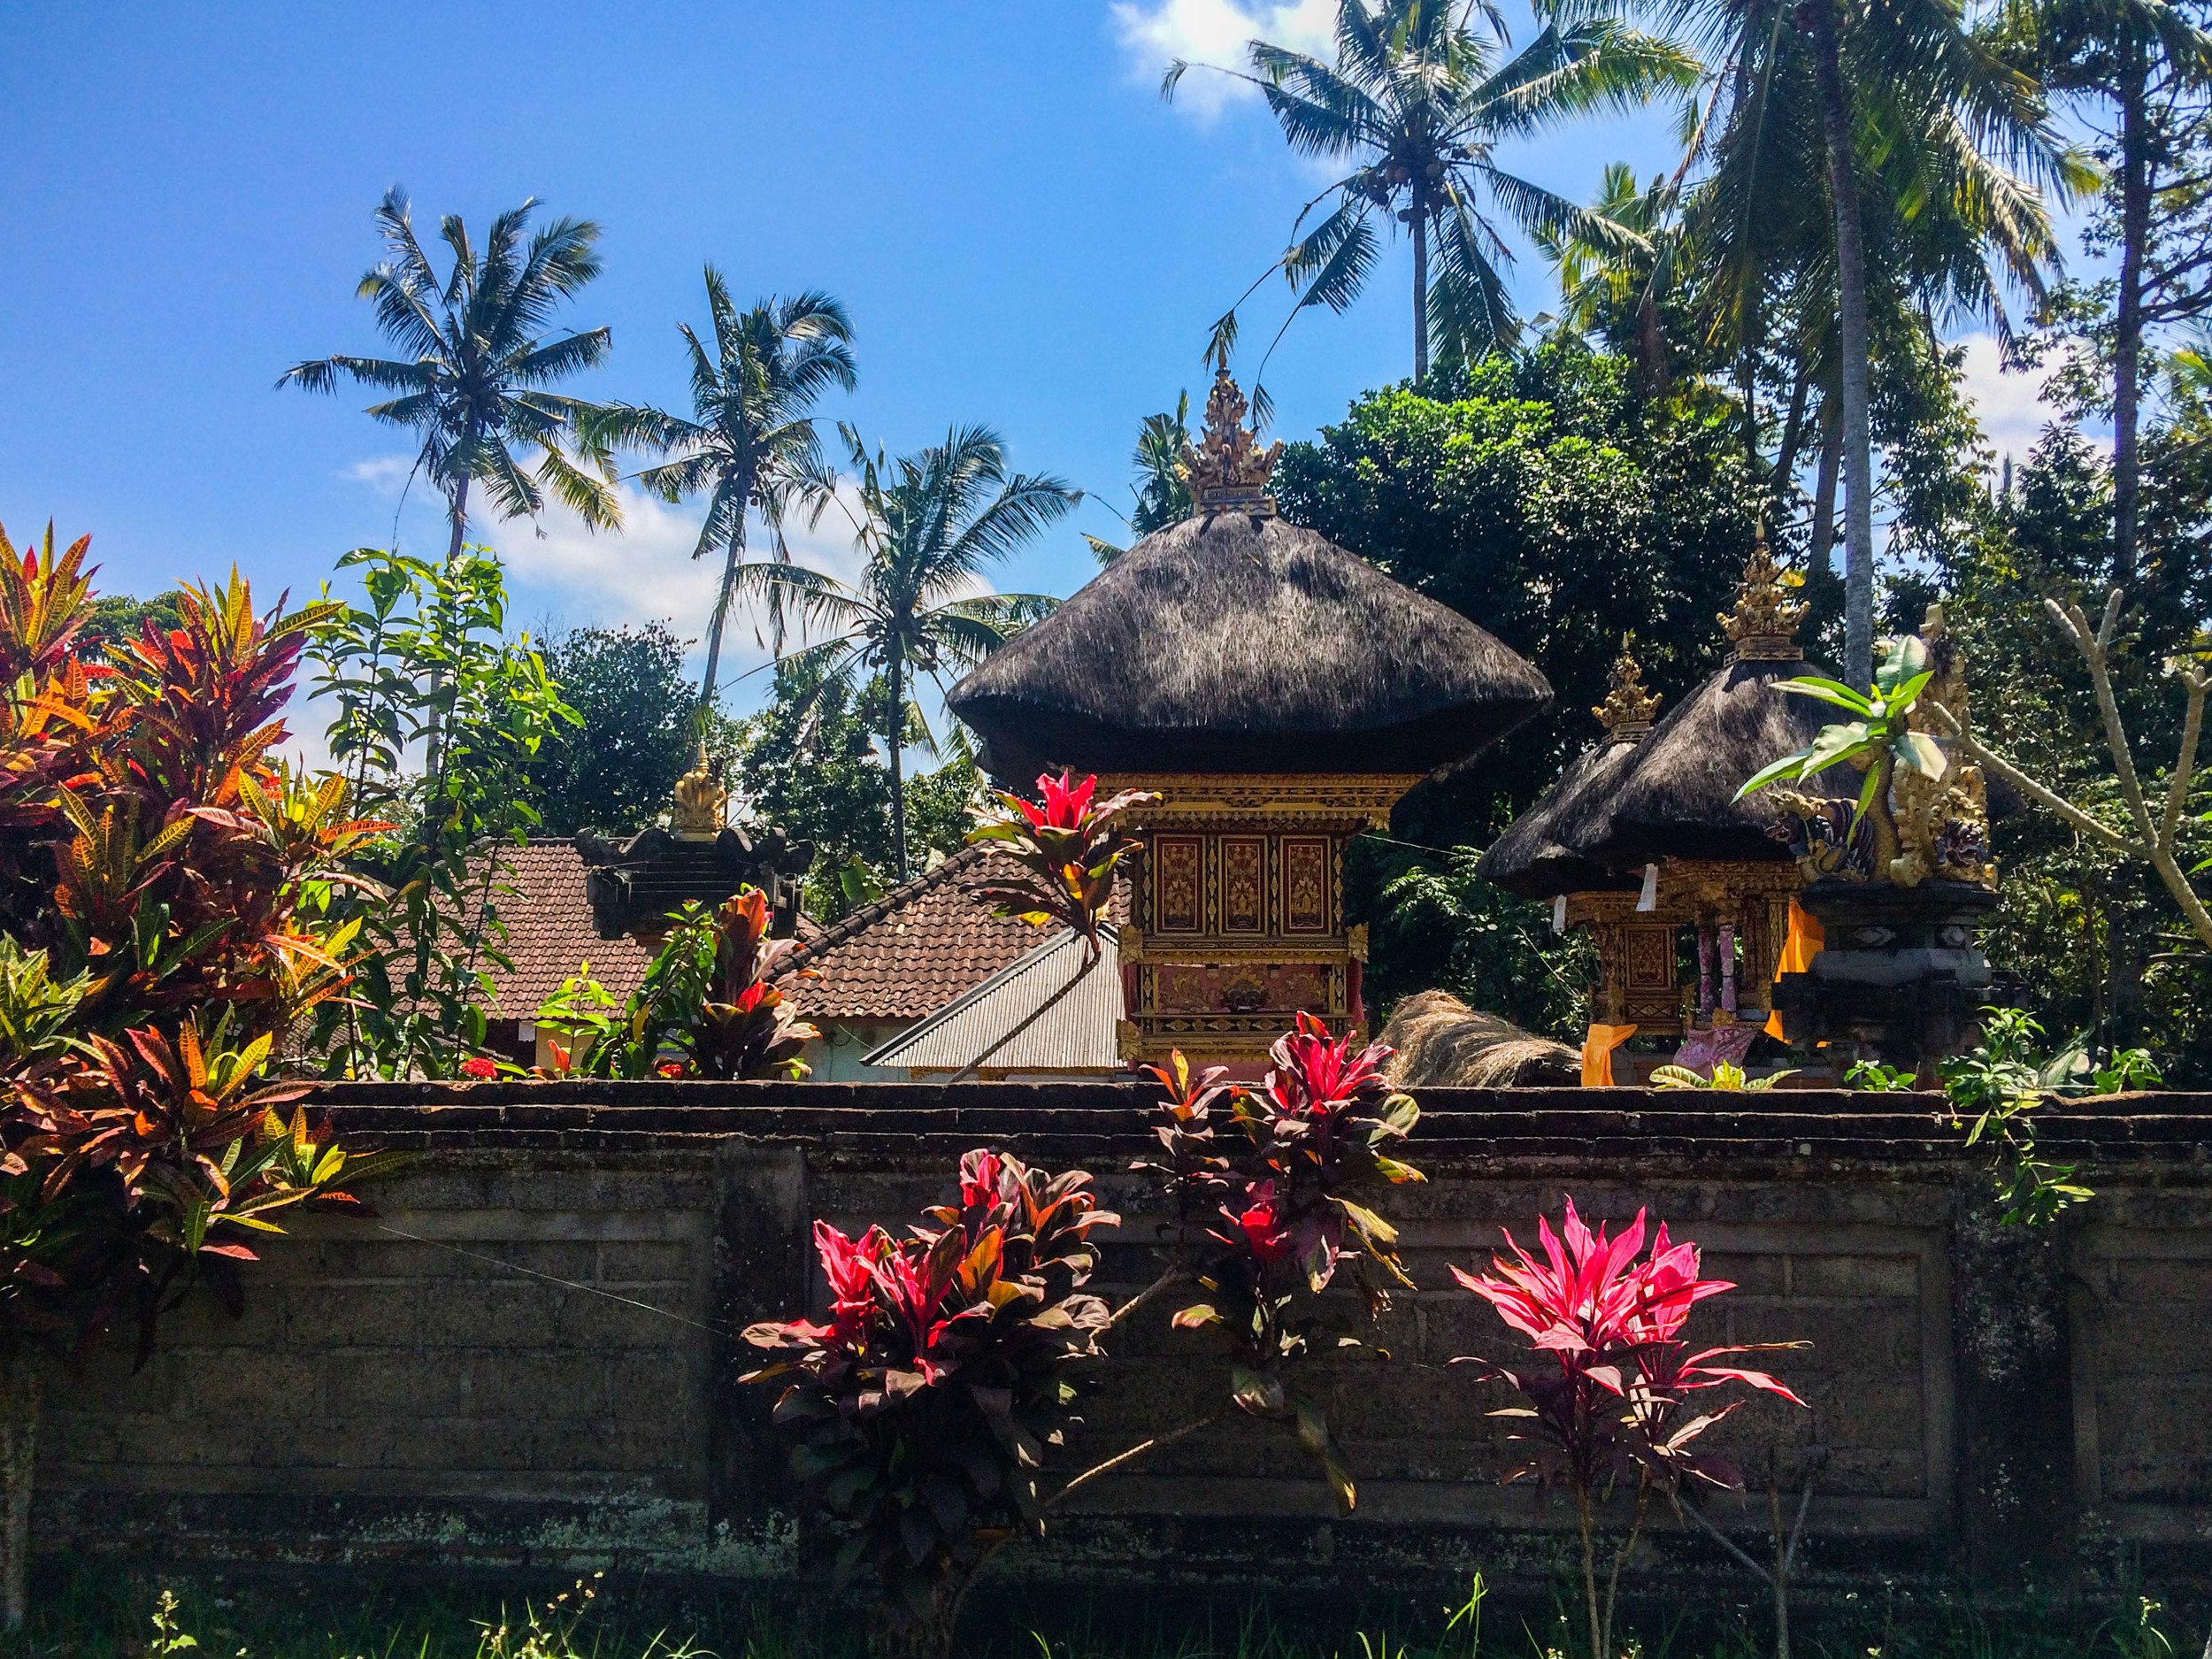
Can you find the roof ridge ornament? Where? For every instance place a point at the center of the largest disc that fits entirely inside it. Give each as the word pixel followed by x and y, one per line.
pixel 1228 472
pixel 700 802
pixel 1629 707
pixel 1763 628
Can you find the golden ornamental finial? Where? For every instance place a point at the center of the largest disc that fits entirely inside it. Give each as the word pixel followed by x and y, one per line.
pixel 1228 471
pixel 1764 626
pixel 1628 707
pixel 700 801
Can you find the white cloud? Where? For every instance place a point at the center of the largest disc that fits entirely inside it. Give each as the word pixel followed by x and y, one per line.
pixel 385 474
pixel 644 573
pixel 2007 401
pixel 1215 32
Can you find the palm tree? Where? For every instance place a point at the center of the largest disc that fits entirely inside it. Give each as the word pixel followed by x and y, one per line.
pixel 481 356
pixel 478 356
pixel 750 442
pixel 1806 89
pixel 928 525
pixel 1418 102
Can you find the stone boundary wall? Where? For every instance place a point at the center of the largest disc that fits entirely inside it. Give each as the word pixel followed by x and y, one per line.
pixel 529 1359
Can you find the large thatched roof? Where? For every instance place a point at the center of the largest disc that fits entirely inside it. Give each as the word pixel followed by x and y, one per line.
pixel 1233 641
pixel 1679 800
pixel 1543 851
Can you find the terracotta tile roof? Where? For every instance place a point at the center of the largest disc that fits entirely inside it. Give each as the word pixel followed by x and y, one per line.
pixel 917 948
pixel 550 932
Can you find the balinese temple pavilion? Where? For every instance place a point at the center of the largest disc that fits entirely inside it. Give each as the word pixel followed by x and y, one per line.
pixel 1280 694
pixel 1642 840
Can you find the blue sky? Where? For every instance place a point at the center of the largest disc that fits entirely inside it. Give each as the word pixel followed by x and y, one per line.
pixel 1023 232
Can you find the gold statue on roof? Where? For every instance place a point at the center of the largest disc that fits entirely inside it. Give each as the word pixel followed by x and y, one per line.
pixel 1628 707
pixel 1227 469
pixel 700 802
pixel 1764 626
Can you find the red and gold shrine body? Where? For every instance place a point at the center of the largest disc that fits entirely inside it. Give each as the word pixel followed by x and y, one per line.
pixel 1237 913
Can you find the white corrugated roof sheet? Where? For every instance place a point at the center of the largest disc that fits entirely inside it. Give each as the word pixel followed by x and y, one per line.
pixel 1042 1012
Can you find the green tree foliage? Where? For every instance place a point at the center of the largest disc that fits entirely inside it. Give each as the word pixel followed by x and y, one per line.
pixel 928 524
pixel 115 618
pixel 614 772
pixel 425 647
pixel 1436 927
pixel 478 359
pixel 809 762
pixel 1541 495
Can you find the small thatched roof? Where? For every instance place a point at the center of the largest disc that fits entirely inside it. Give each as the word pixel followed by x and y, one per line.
pixel 1541 852
pixel 1442 1043
pixel 1233 641
pixel 1679 800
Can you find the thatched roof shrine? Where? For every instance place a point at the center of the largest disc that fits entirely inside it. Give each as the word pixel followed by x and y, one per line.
pixel 1669 790
pixel 1679 800
pixel 1235 643
pixel 1544 851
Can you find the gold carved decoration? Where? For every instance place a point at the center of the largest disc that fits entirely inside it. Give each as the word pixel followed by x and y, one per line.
pixel 1764 626
pixel 1942 823
pixel 700 802
pixel 1628 707
pixel 1228 470
pixel 1316 800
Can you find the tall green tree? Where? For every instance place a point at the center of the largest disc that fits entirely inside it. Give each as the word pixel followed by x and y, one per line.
pixel 615 771
pixel 1417 104
pixel 2138 70
pixel 479 356
pixel 928 525
pixel 1897 99
pixel 750 442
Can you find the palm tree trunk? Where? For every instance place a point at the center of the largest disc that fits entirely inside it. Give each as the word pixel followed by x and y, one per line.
pixel 1817 17
pixel 2127 349
pixel 1823 525
pixel 1420 293
pixel 1792 428
pixel 459 514
pixel 894 728
pixel 721 615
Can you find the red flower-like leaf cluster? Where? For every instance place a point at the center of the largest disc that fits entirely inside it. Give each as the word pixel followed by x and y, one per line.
pixel 477 1067
pixel 1067 848
pixel 949 1359
pixel 1612 1316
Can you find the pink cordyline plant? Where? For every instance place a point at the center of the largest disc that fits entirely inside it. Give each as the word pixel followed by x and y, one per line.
pixel 1067 848
pixel 1610 1317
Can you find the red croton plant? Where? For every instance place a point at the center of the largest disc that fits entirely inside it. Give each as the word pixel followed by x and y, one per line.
pixel 951 1360
pixel 1067 848
pixel 1608 1387
pixel 159 933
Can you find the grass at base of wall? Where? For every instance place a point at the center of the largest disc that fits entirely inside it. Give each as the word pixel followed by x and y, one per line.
pixel 100 1611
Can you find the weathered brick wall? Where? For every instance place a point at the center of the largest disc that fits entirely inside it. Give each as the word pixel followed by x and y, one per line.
pixel 421 1388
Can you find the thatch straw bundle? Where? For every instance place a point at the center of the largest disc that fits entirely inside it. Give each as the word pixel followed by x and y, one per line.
pixel 1442 1043
pixel 1231 642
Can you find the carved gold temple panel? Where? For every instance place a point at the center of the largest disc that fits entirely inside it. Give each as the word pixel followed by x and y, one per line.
pixel 1237 914
pixel 1640 980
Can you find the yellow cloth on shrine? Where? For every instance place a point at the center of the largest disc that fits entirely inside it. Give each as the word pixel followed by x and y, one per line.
pixel 1597 1054
pixel 1798 951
